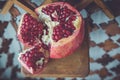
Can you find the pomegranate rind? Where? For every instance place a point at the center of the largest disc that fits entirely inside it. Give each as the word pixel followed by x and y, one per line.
pixel 18 32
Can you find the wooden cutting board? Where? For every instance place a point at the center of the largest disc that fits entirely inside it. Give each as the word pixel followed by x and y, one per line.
pixel 75 65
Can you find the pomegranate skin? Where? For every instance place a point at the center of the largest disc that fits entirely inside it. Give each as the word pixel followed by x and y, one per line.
pixel 65 50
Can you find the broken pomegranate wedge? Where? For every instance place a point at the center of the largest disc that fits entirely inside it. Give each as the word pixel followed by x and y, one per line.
pixel 29 30
pixel 59 32
pixel 34 59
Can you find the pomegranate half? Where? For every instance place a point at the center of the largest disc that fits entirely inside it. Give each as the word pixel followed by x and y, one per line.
pixel 65 28
pixel 58 33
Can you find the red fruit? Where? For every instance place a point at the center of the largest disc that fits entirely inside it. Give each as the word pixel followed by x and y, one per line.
pixel 29 30
pixel 34 59
pixel 60 29
pixel 67 27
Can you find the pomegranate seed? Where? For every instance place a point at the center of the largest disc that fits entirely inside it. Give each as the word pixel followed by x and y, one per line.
pixel 72 18
pixel 57 8
pixel 65 35
pixel 44 10
pixel 30 55
pixel 29 64
pixel 45 46
pixel 68 32
pixel 55 37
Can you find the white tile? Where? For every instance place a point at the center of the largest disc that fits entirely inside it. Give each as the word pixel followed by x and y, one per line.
pixel 84 13
pixel 99 17
pixel 9 32
pixel 50 78
pixel 115 38
pixel 96 52
pixel 18 18
pixel 15 46
pixel 93 77
pixel 118 20
pixel 1 40
pixel 114 52
pixel 5 17
pixel 112 64
pixel 98 36
pixel 37 2
pixel 3 60
pixel 19 75
pixel 7 73
pixel 77 78
pixel 95 66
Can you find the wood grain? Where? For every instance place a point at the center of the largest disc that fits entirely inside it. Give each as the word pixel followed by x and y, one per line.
pixel 27 9
pixel 6 7
pixel 107 11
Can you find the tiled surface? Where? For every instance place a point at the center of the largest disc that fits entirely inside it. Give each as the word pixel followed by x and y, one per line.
pixel 104 48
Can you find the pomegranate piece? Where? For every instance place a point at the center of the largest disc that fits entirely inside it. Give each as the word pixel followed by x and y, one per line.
pixel 34 59
pixel 29 30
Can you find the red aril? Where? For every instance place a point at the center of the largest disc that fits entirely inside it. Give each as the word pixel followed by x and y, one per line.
pixel 60 29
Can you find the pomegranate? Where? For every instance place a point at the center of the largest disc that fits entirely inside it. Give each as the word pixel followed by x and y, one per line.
pixel 29 30
pixel 34 59
pixel 65 28
pixel 58 33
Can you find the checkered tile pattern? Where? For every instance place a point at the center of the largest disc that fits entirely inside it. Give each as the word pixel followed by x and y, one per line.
pixel 104 48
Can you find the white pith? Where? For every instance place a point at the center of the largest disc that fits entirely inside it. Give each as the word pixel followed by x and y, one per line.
pixel 48 38
pixel 40 62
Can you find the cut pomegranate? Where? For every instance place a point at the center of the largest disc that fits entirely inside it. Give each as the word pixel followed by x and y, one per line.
pixel 65 25
pixel 60 30
pixel 34 59
pixel 30 30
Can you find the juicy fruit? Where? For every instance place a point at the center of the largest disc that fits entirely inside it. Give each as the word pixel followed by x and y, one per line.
pixel 30 29
pixel 34 59
pixel 58 33
pixel 65 28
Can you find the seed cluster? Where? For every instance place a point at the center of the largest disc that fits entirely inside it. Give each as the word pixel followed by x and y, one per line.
pixel 32 56
pixel 65 17
pixel 30 29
